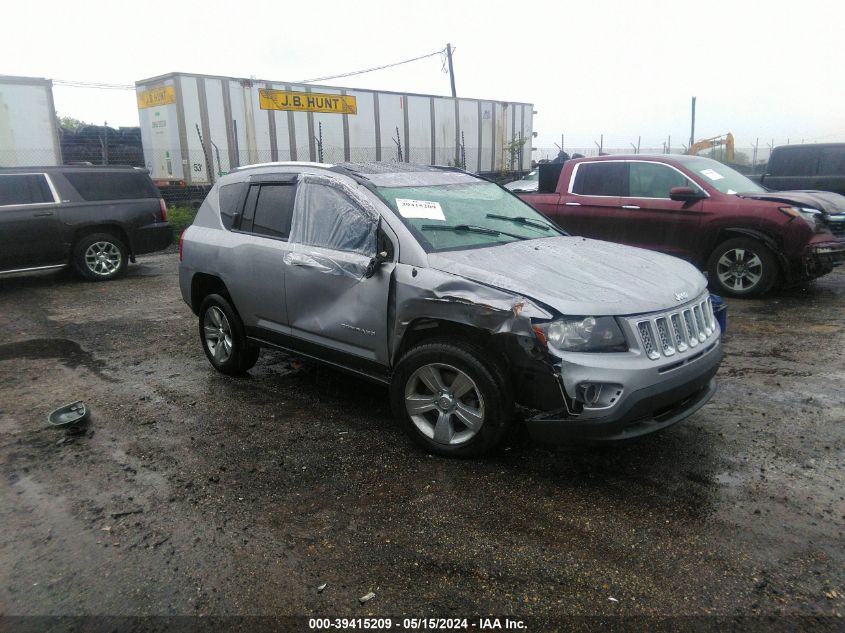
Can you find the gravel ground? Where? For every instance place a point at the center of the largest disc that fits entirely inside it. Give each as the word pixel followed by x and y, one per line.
pixel 194 493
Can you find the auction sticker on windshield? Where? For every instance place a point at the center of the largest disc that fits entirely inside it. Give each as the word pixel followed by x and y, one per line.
pixel 712 174
pixel 425 209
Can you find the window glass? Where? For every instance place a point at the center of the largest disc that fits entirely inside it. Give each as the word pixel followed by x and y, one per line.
pixel 129 185
pixel 720 177
pixel 249 209
pixel 231 198
pixel 327 217
pixel 653 180
pixel 832 161
pixel 794 161
pixel 601 179
pixel 273 210
pixel 24 189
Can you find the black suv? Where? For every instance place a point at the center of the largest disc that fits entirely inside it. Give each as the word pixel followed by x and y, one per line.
pixel 95 219
pixel 818 166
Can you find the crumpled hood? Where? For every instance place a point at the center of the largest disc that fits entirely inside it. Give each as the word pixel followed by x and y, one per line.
pixel 826 201
pixel 578 276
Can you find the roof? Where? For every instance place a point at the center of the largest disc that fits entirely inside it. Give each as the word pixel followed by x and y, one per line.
pixel 679 158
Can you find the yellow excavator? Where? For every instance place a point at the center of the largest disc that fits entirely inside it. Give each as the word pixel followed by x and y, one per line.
pixel 711 143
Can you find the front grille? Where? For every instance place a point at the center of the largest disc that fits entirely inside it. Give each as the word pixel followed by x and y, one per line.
pixel 663 335
pixel 836 224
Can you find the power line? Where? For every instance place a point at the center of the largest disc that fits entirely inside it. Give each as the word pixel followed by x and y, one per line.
pixel 369 70
pixel 92 84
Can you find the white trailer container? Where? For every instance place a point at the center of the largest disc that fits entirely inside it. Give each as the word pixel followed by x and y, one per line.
pixel 197 127
pixel 29 134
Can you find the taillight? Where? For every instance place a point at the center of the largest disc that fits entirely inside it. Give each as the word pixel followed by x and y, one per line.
pixel 181 242
pixel 163 206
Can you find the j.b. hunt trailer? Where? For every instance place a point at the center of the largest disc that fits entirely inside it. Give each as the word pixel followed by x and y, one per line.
pixel 197 127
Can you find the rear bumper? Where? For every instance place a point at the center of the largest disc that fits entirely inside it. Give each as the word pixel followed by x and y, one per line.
pixel 151 238
pixel 659 402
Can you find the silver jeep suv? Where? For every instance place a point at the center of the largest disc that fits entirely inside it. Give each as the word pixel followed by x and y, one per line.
pixel 454 293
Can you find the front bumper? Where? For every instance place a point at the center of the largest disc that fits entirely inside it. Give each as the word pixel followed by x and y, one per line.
pixel 666 376
pixel 821 257
pixel 151 238
pixel 676 395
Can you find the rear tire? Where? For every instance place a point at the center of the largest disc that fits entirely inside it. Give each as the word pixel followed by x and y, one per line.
pixel 742 267
pixel 100 256
pixel 452 399
pixel 223 338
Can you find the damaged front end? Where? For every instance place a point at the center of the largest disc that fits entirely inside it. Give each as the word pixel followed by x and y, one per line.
pixel 582 377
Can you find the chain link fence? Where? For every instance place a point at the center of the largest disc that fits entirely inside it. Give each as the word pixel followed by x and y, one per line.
pixel 747 160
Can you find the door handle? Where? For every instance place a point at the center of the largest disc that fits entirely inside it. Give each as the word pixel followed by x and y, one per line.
pixel 573 204
pixel 630 206
pixel 42 214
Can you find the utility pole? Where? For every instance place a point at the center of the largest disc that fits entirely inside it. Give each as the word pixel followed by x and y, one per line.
pixel 692 125
pixel 451 69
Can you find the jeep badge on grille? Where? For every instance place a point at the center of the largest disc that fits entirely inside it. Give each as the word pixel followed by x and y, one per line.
pixel 681 296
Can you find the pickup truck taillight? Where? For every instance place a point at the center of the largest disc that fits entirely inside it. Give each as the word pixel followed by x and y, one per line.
pixel 163 206
pixel 181 241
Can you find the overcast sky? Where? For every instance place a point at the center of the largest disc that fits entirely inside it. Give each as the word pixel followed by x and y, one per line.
pixel 619 68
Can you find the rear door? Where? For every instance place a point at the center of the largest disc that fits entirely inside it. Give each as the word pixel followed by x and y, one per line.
pixel 30 232
pixel 332 306
pixel 650 219
pixel 591 205
pixel 255 268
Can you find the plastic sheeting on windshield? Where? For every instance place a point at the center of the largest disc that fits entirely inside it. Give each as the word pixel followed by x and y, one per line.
pixel 328 215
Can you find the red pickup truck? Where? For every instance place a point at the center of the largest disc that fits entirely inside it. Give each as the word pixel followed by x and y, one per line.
pixel 747 238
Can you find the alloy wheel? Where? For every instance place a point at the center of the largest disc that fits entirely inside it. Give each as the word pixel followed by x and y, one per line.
pixel 444 404
pixel 103 258
pixel 739 269
pixel 218 334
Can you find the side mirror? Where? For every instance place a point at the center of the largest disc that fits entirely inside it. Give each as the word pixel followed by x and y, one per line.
pixel 685 194
pixel 374 264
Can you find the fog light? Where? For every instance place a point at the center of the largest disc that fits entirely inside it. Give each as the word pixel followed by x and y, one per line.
pixel 598 395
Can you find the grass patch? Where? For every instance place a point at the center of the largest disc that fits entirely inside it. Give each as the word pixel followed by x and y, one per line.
pixel 180 218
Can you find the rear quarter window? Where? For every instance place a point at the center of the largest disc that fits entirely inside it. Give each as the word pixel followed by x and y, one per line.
pixel 97 186
pixel 231 199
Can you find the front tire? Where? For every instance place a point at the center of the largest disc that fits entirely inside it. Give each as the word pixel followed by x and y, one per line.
pixel 223 339
pixel 452 399
pixel 742 267
pixel 100 257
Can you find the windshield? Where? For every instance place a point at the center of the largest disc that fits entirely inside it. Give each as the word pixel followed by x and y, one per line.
pixel 466 215
pixel 721 176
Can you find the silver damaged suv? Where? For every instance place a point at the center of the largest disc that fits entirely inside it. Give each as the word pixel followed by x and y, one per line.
pixel 454 293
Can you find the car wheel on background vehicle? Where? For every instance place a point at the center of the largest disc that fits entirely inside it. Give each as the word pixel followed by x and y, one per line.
pixel 100 256
pixel 742 267
pixel 223 339
pixel 453 399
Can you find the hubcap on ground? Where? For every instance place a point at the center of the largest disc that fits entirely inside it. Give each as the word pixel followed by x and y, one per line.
pixel 102 258
pixel 218 334
pixel 739 269
pixel 444 403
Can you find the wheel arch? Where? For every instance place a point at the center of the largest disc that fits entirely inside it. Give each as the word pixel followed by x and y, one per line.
pixel 767 240
pixel 204 284
pixel 104 227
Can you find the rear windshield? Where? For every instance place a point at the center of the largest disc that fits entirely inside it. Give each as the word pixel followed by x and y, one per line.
pixel 94 186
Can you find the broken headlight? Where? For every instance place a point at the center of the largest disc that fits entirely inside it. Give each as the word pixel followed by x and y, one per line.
pixel 582 334
pixel 810 216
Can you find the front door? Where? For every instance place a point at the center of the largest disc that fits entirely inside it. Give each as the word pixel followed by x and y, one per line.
pixel 331 304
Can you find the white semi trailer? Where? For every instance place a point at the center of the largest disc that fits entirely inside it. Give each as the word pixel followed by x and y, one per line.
pixel 29 134
pixel 195 128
